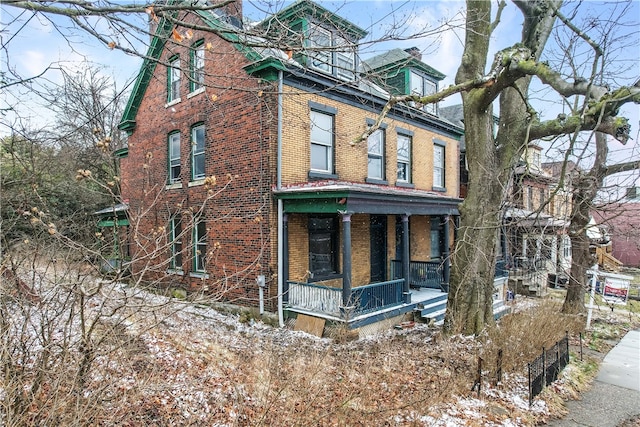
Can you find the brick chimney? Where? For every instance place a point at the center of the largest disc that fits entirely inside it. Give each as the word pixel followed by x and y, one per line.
pixel 415 52
pixel 233 12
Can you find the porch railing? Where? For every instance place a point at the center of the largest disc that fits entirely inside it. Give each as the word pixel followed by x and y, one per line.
pixel 422 274
pixel 328 300
pixel 312 297
pixel 377 296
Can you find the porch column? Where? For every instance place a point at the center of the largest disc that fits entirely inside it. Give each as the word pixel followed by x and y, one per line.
pixel 445 254
pixel 405 258
pixel 285 258
pixel 346 262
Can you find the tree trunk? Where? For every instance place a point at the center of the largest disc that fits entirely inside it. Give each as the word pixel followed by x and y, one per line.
pixel 490 160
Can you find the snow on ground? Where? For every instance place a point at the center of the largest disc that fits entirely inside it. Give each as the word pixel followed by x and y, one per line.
pixel 162 361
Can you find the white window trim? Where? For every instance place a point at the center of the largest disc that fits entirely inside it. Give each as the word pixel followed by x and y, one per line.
pixel 406 160
pixel 377 155
pixel 330 146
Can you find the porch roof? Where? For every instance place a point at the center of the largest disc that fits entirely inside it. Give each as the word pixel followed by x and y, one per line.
pixel 339 196
pixel 530 219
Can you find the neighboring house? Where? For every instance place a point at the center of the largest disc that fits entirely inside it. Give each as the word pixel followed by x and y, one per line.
pixel 339 231
pixel 533 245
pixel 536 221
pixel 622 223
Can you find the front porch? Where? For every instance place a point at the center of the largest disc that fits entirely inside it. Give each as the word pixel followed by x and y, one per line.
pixel 371 303
pixel 376 302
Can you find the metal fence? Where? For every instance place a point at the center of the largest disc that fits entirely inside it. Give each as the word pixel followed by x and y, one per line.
pixel 544 369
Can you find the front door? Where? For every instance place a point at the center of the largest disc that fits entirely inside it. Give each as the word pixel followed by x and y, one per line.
pixel 378 248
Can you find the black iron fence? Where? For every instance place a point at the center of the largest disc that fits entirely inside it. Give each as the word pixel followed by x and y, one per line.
pixel 545 368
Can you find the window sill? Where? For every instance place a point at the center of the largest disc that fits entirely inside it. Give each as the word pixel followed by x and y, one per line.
pixel 196 183
pixel 175 271
pixel 173 186
pixel 405 184
pixel 195 92
pixel 439 189
pixel 376 181
pixel 322 175
pixel 199 275
pixel 174 102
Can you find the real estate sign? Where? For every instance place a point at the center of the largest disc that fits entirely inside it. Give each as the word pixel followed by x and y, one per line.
pixel 616 288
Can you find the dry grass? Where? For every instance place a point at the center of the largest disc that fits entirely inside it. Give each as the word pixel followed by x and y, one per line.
pixel 167 362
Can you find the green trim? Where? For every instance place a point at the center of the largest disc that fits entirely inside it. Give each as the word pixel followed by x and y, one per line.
pixel 265 68
pixel 303 8
pixel 313 206
pixel 112 223
pixel 128 122
pixel 192 60
pixel 193 148
pixel 121 153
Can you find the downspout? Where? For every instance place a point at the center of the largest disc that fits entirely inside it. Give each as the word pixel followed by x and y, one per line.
pixel 280 205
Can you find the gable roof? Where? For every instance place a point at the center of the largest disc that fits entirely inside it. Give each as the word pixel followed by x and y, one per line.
pixel 399 58
pixel 218 23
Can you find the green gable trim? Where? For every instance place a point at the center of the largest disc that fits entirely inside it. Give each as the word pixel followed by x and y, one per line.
pixel 128 122
pixel 303 8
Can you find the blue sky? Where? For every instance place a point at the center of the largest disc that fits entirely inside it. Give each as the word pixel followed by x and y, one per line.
pixel 39 45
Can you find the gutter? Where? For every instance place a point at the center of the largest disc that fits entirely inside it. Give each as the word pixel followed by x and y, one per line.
pixel 280 204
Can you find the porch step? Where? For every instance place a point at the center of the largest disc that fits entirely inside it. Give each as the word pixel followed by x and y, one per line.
pixel 435 311
pixel 500 309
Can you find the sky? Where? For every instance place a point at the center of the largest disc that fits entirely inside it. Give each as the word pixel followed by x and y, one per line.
pixel 31 44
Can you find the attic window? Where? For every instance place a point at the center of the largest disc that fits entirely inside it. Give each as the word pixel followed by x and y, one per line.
pixel 422 86
pixel 331 53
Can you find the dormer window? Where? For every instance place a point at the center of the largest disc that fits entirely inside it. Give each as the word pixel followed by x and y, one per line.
pixel 422 86
pixel 331 53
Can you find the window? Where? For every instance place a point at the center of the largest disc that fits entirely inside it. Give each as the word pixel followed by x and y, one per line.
pixel 375 144
pixel 422 86
pixel 175 237
pixel 199 245
pixel 197 152
pixel 438 166
pixel 536 159
pixel 174 158
pixel 331 53
pixel 197 66
pixel 323 246
pixel 404 158
pixel 322 142
pixel 345 58
pixel 173 80
pixel 320 44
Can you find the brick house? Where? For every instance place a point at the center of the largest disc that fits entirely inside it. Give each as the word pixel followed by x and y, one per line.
pixel 244 179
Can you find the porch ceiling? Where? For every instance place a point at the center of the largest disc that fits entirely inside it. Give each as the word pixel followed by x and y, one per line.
pixel 332 197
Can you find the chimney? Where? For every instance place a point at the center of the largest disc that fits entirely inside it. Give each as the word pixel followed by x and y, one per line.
pixel 415 52
pixel 232 11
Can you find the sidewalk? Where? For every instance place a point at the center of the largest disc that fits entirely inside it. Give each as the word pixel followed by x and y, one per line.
pixel 615 394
